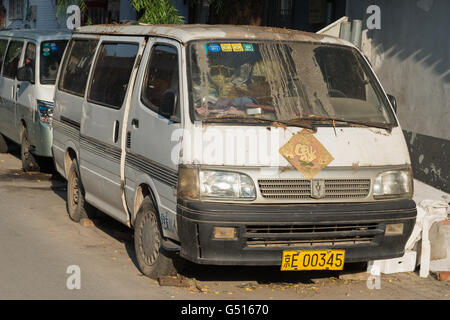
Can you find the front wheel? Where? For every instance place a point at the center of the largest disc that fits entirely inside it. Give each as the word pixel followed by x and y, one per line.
pixel 77 207
pixel 152 261
pixel 29 161
pixel 3 144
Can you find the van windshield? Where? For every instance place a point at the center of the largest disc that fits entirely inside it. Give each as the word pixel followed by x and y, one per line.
pixel 51 53
pixel 283 81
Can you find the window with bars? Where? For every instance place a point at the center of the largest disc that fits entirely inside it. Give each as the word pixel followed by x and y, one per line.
pixel 15 9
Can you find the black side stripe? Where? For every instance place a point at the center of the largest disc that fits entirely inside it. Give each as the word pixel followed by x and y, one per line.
pixel 100 149
pixel 67 129
pixel 71 123
pixel 153 169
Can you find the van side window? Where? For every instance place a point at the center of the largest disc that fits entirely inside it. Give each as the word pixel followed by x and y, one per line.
pixel 77 66
pixel 12 59
pixel 3 45
pixel 50 58
pixel 112 72
pixel 30 57
pixel 161 75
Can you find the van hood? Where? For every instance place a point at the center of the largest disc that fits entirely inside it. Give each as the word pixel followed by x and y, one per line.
pixel 258 146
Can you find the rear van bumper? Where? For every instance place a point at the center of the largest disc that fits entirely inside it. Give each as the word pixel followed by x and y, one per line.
pixel 264 231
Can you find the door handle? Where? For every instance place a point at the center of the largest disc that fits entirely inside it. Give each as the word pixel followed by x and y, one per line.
pixel 116 131
pixel 128 139
pixel 17 90
pixel 135 123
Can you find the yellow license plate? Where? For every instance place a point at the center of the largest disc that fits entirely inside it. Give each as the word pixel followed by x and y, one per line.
pixel 294 260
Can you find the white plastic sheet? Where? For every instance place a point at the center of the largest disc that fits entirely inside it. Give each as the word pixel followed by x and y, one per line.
pixel 428 212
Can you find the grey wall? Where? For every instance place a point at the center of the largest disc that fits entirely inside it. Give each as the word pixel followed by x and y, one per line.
pixel 411 55
pixel 183 8
pixel 45 16
pixel 126 11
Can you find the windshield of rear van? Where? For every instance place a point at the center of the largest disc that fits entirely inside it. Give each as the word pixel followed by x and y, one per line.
pixel 51 53
pixel 283 81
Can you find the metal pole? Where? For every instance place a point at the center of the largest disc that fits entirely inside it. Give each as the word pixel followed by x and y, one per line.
pixel 345 31
pixel 356 32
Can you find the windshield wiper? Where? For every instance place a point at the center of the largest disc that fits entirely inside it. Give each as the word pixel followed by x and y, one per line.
pixel 278 123
pixel 314 118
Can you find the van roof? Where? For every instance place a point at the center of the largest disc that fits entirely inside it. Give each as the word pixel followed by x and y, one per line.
pixel 34 34
pixel 187 32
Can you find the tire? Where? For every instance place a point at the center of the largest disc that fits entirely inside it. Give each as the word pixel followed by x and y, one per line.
pixel 153 262
pixel 3 144
pixel 29 162
pixel 77 207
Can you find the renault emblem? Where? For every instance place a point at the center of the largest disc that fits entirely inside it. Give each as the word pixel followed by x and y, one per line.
pixel 317 189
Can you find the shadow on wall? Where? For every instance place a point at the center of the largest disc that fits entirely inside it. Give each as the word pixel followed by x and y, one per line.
pixel 411 28
pixel 411 55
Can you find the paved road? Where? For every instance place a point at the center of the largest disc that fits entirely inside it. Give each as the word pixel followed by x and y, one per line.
pixel 38 242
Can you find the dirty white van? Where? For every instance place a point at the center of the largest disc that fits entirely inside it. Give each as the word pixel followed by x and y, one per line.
pixel 29 62
pixel 233 145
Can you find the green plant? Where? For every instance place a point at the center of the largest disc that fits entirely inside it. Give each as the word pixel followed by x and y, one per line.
pixel 157 11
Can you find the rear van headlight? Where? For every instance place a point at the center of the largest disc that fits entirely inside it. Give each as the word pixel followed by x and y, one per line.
pixel 45 109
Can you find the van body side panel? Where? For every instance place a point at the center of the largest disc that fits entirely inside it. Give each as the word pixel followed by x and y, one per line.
pixel 40 134
pixel 101 124
pixel 66 127
pixel 8 91
pixel 67 113
pixel 152 148
pixel 43 138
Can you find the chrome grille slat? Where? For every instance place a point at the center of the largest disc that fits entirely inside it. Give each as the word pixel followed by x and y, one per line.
pixel 301 189
pixel 311 235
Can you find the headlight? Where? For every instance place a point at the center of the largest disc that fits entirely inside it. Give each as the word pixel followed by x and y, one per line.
pixel 393 184
pixel 210 184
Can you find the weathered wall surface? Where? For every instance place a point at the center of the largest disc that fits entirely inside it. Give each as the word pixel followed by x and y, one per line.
pixel 411 55
pixel 45 16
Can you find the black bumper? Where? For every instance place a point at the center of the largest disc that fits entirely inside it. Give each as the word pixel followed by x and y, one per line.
pixel 264 231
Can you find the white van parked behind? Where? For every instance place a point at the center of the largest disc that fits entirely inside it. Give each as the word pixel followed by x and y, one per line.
pixel 233 145
pixel 29 62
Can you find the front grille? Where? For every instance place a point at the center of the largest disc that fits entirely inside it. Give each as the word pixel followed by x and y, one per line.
pixel 301 189
pixel 318 235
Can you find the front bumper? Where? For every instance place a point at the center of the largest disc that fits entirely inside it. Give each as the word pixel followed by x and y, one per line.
pixel 42 140
pixel 264 231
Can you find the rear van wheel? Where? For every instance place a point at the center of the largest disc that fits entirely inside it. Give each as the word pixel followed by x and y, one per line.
pixel 3 144
pixel 152 260
pixel 29 161
pixel 77 207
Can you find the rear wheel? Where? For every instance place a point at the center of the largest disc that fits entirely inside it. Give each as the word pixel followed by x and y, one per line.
pixel 29 162
pixel 77 207
pixel 3 144
pixel 152 260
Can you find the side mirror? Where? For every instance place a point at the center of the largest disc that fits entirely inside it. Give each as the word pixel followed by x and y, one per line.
pixel 393 102
pixel 168 104
pixel 25 74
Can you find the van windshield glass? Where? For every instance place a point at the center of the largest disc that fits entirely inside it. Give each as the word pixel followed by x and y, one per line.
pixel 283 81
pixel 51 53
